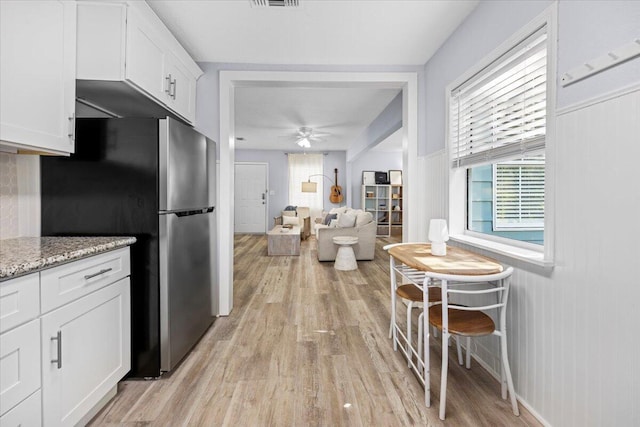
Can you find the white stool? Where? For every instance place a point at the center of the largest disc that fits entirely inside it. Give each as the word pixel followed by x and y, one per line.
pixel 345 258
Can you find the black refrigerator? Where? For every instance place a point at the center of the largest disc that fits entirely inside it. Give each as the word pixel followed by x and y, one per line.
pixel 152 179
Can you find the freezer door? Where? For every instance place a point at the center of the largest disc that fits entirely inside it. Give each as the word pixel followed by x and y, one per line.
pixel 185 284
pixel 183 174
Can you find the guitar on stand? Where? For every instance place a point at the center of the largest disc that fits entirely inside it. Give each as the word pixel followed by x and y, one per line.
pixel 336 191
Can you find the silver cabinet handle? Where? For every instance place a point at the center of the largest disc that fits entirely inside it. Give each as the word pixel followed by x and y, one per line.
pixel 89 276
pixel 72 126
pixel 172 94
pixel 58 338
pixel 168 89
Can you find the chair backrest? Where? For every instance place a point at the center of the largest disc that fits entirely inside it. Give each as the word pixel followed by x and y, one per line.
pixel 303 211
pixel 464 286
pixel 408 275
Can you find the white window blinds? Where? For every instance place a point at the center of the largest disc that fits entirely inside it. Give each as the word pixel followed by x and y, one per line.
pixel 500 112
pixel 518 196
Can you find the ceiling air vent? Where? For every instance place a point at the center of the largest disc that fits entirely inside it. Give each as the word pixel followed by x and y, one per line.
pixel 275 3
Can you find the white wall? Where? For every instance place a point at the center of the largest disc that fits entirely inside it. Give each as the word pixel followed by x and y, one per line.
pixel 372 160
pixel 570 326
pixel 279 176
pixel 589 29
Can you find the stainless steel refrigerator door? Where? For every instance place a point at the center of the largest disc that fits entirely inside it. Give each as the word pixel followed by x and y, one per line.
pixel 184 169
pixel 185 285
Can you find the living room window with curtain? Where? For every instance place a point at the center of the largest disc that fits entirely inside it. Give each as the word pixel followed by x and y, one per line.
pixel 301 166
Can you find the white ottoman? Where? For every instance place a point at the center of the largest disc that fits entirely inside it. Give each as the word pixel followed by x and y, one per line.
pixel 345 258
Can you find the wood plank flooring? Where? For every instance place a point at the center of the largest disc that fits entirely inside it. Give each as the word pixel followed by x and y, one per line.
pixel 306 345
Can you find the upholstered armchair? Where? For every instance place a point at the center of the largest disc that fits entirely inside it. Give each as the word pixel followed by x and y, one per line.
pixel 302 214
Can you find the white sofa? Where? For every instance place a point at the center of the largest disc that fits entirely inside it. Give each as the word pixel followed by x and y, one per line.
pixel 364 229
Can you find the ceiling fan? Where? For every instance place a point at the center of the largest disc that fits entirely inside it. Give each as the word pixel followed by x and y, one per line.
pixel 306 135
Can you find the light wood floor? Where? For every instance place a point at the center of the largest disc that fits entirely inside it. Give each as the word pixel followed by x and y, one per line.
pixel 305 345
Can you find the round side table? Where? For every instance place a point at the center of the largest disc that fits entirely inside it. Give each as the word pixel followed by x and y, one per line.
pixel 345 258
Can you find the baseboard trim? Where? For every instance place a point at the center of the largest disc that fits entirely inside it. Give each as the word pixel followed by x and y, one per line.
pixel 519 398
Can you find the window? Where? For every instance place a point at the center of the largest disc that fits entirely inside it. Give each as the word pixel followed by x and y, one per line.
pixel 301 166
pixel 518 196
pixel 497 139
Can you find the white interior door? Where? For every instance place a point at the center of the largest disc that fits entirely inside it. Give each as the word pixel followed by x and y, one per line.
pixel 250 198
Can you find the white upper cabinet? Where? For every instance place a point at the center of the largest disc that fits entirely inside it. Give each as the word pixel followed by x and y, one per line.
pixel 145 58
pixel 37 75
pixel 181 88
pixel 125 51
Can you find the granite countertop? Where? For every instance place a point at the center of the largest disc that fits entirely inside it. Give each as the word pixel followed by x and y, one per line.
pixel 25 255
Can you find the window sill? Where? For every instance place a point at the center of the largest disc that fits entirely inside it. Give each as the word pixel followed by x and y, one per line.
pixel 510 251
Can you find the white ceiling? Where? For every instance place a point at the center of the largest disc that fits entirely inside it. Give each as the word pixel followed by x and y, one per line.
pixel 333 32
pixel 319 32
pixel 267 117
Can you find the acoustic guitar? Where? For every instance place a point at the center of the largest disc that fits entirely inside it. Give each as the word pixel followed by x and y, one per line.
pixel 336 191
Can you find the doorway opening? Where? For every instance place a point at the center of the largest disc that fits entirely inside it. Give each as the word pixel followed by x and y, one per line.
pixel 230 80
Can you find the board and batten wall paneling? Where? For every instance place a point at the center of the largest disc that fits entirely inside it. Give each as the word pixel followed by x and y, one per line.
pixel 571 330
pixel 433 172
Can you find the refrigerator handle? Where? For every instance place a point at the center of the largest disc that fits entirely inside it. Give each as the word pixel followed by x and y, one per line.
pixel 194 212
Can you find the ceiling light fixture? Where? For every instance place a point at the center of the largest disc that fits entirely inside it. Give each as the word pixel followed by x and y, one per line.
pixel 304 142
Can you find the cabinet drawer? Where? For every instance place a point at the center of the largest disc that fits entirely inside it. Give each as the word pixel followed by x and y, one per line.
pixel 19 364
pixel 19 301
pixel 68 282
pixel 27 413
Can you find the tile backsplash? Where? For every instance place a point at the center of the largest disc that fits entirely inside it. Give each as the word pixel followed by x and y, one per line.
pixel 8 196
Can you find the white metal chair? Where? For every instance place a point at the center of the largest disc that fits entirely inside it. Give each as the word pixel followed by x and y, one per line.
pixel 470 321
pixel 413 297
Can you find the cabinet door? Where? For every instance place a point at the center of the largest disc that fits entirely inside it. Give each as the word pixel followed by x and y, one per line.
pixel 181 96
pixel 19 364
pixel 27 413
pixel 145 57
pixel 37 75
pixel 86 350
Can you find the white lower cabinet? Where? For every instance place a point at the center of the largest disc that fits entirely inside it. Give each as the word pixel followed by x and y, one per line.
pixel 65 340
pixel 28 413
pixel 85 352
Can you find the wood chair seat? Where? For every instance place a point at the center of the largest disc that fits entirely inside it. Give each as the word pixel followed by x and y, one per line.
pixel 413 293
pixel 462 322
